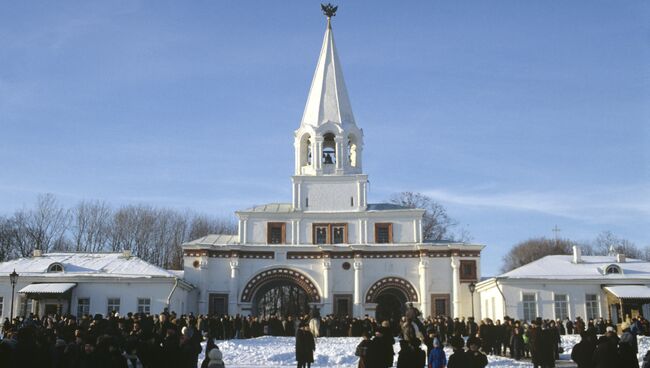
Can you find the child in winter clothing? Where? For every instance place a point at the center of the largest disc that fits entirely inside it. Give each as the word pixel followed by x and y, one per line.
pixel 215 359
pixel 437 357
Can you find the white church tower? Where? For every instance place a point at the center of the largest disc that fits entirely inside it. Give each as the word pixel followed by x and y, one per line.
pixel 329 247
pixel 328 145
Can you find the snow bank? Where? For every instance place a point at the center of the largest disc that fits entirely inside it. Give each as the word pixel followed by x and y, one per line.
pixel 271 351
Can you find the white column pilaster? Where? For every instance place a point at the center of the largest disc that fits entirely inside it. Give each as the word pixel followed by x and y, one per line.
pixel 233 285
pixel 244 229
pixel 424 295
pixel 455 296
pixel 358 266
pixel 327 285
pixel 341 157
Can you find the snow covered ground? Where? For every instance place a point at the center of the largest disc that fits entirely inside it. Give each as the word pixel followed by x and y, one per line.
pixel 270 351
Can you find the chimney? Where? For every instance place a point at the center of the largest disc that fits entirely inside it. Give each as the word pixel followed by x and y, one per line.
pixel 37 253
pixel 126 253
pixel 577 254
pixel 620 258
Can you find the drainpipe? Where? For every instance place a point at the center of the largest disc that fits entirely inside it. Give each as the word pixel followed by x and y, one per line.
pixel 169 298
pixel 496 283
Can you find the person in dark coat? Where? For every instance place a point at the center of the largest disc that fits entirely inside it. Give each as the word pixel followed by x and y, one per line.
pixel 305 346
pixel 380 351
pixel 516 344
pixel 543 348
pixel 362 350
pixel 627 348
pixel 458 359
pixel 583 351
pixel 475 359
pixel 406 358
pixel 606 354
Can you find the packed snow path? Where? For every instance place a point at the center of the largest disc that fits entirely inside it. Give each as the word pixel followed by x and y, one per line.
pixel 271 351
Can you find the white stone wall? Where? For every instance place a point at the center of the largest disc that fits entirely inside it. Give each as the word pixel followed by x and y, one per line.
pixel 544 291
pixel 215 275
pixel 99 290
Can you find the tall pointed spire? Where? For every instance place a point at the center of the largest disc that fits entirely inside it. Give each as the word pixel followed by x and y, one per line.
pixel 328 99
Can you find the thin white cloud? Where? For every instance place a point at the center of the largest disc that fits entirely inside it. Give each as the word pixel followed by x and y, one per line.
pixel 594 205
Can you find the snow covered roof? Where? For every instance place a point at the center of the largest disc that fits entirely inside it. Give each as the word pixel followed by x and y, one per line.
pixel 328 99
pixel 629 291
pixel 271 207
pixel 386 207
pixel 215 239
pixel 58 288
pixel 286 207
pixel 84 264
pixel 591 267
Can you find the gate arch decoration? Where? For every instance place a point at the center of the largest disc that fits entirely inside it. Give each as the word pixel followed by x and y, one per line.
pixel 391 283
pixel 280 274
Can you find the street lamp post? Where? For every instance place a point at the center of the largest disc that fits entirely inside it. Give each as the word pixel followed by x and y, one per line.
pixel 472 288
pixel 13 278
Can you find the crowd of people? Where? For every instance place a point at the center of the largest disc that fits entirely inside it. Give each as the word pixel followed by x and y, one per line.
pixel 168 340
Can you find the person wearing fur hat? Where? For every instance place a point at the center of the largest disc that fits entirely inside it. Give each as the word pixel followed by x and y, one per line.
pixel 459 359
pixel 475 359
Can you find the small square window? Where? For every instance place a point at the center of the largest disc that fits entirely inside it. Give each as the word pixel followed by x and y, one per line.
pixel 276 233
pixel 468 270
pixel 383 233
pixel 83 307
pixel 144 305
pixel 113 306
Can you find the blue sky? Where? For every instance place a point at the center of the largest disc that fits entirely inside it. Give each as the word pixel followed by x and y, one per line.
pixel 517 116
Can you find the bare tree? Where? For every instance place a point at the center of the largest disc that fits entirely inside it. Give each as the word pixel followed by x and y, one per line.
pixel 43 227
pixel 154 234
pixel 606 242
pixel 202 225
pixel 436 223
pixel 91 226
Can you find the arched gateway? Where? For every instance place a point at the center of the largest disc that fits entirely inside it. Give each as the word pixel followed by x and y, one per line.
pixel 280 291
pixel 391 295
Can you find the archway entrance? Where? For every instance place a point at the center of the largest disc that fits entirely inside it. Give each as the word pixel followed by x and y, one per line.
pixel 281 292
pixel 391 295
pixel 280 299
pixel 391 306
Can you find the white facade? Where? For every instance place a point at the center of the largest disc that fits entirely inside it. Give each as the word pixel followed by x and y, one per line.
pixel 571 286
pixel 91 283
pixel 329 240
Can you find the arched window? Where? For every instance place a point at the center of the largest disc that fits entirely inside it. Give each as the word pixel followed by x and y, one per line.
pixel 329 149
pixel 613 269
pixel 55 267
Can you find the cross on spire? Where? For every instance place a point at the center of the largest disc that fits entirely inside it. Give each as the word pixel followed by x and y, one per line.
pixel 556 231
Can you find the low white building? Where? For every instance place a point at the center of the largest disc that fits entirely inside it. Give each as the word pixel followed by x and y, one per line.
pixel 90 283
pixel 561 286
pixel 329 246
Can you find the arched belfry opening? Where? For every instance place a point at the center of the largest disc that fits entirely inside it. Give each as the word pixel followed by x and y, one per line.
pixel 305 150
pixel 353 151
pixel 329 149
